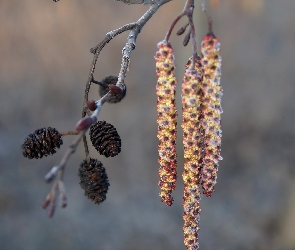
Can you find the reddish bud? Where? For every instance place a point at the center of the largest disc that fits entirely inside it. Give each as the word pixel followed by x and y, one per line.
pixel 46 203
pixel 115 89
pixel 51 210
pixel 91 105
pixel 85 123
pixel 63 201
pixel 181 31
pixel 186 39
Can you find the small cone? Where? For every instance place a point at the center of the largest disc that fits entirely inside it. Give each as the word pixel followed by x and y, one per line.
pixel 94 180
pixel 105 139
pixel 42 143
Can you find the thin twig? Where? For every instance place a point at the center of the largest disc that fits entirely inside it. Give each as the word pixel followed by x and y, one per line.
pixel 131 40
pixel 139 1
pixel 183 13
pixel 193 33
pixel 207 13
pixel 69 133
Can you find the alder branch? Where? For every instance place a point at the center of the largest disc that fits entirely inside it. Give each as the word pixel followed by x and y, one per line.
pixel 135 28
pixel 131 40
pixel 56 173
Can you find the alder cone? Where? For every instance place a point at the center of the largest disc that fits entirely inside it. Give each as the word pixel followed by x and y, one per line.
pixel 41 143
pixel 94 180
pixel 105 139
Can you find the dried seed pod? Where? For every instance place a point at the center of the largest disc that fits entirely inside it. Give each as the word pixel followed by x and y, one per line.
pixel 104 87
pixel 94 180
pixel 105 139
pixel 192 144
pixel 167 116
pixel 42 143
pixel 211 109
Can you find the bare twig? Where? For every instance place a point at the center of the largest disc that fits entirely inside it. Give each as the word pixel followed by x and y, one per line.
pixel 131 40
pixel 69 133
pixel 193 32
pixel 139 1
pixel 187 11
pixel 209 19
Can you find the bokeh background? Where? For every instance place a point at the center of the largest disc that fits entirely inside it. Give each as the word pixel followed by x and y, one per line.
pixel 44 63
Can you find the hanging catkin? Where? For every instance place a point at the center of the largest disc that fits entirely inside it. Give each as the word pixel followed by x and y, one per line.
pixel 166 120
pixel 211 108
pixel 192 145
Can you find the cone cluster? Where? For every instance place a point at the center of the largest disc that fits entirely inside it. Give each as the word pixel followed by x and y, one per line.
pixel 105 139
pixel 166 121
pixel 43 142
pixel 93 180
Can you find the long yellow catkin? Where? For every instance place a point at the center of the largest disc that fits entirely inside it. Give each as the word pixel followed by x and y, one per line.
pixel 211 108
pixel 167 115
pixel 192 143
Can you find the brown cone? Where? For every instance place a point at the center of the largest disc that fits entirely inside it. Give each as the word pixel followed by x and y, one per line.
pixel 105 139
pixel 42 143
pixel 94 180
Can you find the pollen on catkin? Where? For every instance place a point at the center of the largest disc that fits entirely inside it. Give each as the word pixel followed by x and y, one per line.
pixel 167 120
pixel 192 145
pixel 211 109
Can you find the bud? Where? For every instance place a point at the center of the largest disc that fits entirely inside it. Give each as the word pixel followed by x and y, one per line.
pixel 91 105
pixel 186 39
pixel 85 123
pixel 109 83
pixel 181 30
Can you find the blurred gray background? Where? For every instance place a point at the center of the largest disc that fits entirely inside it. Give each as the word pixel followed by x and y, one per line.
pixel 44 64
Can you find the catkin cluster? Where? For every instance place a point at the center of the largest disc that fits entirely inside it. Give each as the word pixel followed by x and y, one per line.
pixel 201 111
pixel 166 120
